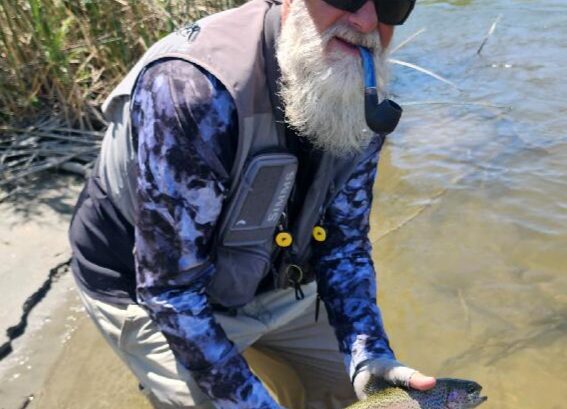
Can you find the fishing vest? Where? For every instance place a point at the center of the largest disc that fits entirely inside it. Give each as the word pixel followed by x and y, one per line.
pixel 237 46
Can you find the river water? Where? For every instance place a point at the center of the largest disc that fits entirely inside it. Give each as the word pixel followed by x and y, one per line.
pixel 470 220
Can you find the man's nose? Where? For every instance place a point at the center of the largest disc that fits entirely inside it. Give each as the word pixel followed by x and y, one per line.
pixel 365 18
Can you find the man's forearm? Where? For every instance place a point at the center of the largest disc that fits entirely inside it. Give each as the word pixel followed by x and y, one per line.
pixel 348 289
pixel 345 272
pixel 199 343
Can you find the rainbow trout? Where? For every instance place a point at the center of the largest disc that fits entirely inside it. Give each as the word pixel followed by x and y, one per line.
pixel 447 394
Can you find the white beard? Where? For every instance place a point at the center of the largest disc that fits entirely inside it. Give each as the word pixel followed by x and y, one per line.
pixel 323 94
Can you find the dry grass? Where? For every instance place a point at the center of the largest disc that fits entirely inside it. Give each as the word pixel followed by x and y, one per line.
pixel 63 56
pixel 58 61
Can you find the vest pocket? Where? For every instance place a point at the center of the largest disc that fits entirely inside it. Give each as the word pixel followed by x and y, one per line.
pixel 239 271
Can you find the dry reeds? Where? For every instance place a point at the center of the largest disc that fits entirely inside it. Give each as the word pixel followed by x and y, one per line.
pixel 59 59
pixel 65 55
pixel 49 144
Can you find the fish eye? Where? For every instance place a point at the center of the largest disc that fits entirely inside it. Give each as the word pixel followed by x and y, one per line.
pixel 473 387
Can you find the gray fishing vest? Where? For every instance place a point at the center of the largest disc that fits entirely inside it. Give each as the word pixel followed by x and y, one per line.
pixel 237 47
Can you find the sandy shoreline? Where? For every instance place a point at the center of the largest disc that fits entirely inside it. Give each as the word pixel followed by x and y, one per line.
pixel 88 375
pixel 60 361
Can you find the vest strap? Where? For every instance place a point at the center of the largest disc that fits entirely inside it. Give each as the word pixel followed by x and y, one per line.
pixel 272 24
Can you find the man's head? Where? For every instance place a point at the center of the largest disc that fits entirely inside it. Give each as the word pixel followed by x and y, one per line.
pixel 322 78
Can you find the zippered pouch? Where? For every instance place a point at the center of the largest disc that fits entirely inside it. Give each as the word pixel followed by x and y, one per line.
pixel 259 200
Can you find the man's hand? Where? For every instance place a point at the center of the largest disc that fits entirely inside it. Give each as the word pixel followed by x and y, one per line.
pixel 393 373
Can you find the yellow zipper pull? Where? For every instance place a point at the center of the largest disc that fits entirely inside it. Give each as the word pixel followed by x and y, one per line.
pixel 283 239
pixel 319 234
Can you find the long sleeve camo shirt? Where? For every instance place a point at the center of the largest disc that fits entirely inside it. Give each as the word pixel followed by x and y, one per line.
pixel 186 125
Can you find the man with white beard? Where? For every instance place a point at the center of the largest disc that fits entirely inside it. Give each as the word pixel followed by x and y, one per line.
pixel 204 282
pixel 322 74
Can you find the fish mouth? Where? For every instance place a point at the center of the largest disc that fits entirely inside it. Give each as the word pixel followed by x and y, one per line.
pixel 475 398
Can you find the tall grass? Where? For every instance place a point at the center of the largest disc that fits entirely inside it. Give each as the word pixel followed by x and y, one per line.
pixel 62 57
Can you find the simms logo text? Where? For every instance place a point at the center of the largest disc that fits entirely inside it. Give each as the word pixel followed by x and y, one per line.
pixel 275 212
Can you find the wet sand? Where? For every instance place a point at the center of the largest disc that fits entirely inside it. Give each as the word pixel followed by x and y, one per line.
pixel 88 375
pixel 33 231
pixel 60 361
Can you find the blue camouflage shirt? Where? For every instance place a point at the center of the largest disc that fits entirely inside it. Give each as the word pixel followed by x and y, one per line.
pixel 185 124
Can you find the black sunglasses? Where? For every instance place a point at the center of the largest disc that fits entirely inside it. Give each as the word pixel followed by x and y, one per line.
pixel 391 12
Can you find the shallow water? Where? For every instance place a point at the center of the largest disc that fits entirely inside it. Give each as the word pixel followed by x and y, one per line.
pixel 470 223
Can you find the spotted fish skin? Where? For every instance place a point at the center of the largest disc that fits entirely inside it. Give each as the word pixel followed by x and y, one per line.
pixel 447 394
